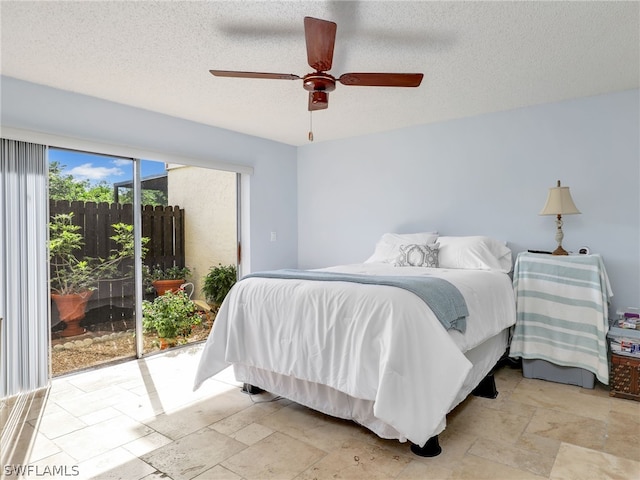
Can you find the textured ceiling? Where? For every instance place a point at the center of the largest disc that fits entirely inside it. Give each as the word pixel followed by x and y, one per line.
pixel 477 57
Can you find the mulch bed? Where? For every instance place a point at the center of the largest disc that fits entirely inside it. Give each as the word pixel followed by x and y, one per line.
pixel 106 343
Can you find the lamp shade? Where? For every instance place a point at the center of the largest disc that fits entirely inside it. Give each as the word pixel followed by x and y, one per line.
pixel 559 202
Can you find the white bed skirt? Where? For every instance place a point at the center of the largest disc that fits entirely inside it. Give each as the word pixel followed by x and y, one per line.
pixel 338 404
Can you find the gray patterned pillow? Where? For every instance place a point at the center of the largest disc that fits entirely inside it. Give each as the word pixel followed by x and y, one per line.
pixel 414 255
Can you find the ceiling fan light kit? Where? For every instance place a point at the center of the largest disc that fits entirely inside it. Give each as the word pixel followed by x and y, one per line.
pixel 320 36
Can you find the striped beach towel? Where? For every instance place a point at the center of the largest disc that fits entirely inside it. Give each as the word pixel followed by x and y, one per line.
pixel 562 311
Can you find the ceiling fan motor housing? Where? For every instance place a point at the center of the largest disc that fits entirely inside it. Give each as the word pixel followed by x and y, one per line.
pixel 319 82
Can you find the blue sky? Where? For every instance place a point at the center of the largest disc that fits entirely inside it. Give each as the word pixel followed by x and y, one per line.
pixel 96 168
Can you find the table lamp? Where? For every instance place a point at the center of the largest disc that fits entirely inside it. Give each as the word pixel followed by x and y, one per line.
pixel 559 202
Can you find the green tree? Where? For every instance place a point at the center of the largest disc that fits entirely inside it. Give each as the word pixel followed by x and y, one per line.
pixel 66 187
pixel 149 197
pixel 100 192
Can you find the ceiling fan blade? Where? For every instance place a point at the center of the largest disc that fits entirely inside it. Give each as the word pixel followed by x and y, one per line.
pixel 381 79
pixel 318 101
pixel 320 36
pixel 275 76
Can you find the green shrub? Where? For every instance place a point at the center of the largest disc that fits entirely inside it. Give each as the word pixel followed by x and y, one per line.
pixel 218 282
pixel 70 274
pixel 171 315
pixel 170 273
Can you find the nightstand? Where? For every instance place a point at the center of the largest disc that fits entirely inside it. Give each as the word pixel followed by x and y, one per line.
pixel 625 364
pixel 625 377
pixel 562 307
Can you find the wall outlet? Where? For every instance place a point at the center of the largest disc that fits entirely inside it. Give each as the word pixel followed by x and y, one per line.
pixel 274 236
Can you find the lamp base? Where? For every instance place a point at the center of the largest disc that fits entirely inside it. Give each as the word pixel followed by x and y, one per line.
pixel 559 251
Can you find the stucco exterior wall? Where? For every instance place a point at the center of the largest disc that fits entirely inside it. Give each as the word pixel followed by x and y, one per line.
pixel 208 198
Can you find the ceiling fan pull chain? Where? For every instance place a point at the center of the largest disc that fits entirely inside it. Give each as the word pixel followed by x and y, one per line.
pixel 310 126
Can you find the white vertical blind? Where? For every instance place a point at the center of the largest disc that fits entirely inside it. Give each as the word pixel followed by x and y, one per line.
pixel 24 292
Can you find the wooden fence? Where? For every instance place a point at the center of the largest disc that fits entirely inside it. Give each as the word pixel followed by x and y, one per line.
pixel 162 225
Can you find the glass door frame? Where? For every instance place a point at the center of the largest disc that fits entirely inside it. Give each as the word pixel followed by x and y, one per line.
pixel 136 220
pixel 137 255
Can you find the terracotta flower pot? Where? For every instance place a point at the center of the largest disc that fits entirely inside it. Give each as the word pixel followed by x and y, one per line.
pixel 72 310
pixel 167 342
pixel 163 286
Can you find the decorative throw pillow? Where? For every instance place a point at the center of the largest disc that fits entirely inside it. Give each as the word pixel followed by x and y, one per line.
pixel 414 255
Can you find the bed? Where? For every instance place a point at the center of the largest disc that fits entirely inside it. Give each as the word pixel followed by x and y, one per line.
pixel 377 354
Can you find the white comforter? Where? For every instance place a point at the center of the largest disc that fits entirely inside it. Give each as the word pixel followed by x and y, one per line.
pixel 371 342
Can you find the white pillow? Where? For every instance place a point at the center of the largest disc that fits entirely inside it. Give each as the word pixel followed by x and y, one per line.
pixel 388 247
pixel 416 255
pixel 474 252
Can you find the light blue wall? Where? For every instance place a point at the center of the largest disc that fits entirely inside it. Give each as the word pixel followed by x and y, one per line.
pixel 483 175
pixel 272 186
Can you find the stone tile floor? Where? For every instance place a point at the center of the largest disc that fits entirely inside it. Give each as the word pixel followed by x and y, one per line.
pixel 141 420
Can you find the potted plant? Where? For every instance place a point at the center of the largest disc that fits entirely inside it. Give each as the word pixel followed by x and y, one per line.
pixel 218 282
pixel 168 279
pixel 171 316
pixel 73 280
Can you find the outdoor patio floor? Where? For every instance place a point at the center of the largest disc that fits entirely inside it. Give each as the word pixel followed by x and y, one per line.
pixel 141 420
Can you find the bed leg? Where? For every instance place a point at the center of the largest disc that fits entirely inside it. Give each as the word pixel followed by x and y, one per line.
pixel 507 361
pixel 430 449
pixel 251 389
pixel 486 388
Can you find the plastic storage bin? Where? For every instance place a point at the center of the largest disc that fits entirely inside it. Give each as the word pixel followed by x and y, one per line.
pixel 543 370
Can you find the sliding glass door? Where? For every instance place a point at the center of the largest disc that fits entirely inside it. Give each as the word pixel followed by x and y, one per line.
pixel 92 268
pixel 191 254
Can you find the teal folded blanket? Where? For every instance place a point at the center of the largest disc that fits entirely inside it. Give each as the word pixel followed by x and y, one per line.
pixel 444 299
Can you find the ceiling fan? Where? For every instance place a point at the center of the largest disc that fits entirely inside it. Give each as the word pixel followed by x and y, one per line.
pixel 320 36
